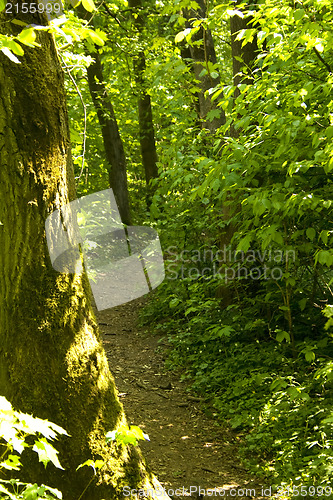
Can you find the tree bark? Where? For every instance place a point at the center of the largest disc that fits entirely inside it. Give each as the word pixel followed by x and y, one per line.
pixel 242 57
pixel 52 362
pixel 202 52
pixel 242 61
pixel 113 145
pixel 146 124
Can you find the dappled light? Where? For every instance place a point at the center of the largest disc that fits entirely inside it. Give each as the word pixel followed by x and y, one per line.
pixel 166 258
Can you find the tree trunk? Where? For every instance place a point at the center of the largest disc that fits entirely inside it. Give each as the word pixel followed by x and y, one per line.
pixel 113 145
pixel 242 57
pixel 187 59
pixel 146 124
pixel 52 362
pixel 203 55
pixel 242 60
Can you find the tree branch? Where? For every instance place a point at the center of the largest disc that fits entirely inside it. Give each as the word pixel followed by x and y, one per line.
pixel 113 16
pixel 327 66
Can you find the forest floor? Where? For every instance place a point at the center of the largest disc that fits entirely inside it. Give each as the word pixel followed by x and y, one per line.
pixel 187 447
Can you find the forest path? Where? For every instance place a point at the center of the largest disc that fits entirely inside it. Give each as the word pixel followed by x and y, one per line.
pixel 187 447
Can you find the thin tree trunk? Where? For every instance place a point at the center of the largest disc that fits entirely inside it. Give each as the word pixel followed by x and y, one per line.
pixel 113 145
pixel 242 60
pixel 52 362
pixel 203 55
pixel 147 133
pixel 146 124
pixel 187 58
pixel 243 57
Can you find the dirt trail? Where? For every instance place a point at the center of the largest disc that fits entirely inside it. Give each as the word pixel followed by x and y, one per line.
pixel 186 447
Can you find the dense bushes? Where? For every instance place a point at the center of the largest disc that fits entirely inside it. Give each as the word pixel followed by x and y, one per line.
pixel 245 221
pixel 250 254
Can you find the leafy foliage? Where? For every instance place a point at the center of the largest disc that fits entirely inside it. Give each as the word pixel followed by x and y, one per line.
pixel 243 315
pixel 127 435
pixel 15 428
pixel 244 213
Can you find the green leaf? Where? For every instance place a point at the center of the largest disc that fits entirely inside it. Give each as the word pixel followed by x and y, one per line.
pixel 11 463
pixel 213 113
pixel 293 392
pixel 10 495
pixel 10 55
pixel 47 453
pixel 18 22
pixel 311 233
pixel 15 47
pixel 241 34
pixel 33 492
pixel 281 335
pixel 324 236
pixel 2 5
pixel 95 38
pixel 244 243
pixel 34 425
pixel 27 36
pixel 174 302
pixel 329 166
pixel 298 14
pixel 302 303
pixel 310 356
pixel 180 36
pixel 138 433
pixel 88 5
pixel 278 384
pixel 127 435
pixel 97 464
pixel 329 132
pixel 324 257
pixel 328 420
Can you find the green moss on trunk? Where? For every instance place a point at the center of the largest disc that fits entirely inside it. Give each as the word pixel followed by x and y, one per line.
pixel 52 362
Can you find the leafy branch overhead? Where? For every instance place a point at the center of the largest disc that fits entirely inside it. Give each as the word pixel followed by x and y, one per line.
pixel 68 28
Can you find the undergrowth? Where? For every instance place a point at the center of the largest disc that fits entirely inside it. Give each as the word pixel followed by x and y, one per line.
pixel 278 398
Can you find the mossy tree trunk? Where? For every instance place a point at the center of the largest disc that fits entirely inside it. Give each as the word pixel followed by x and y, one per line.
pixel 52 362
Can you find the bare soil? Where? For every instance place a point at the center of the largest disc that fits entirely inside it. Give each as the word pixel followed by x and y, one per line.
pixel 187 447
